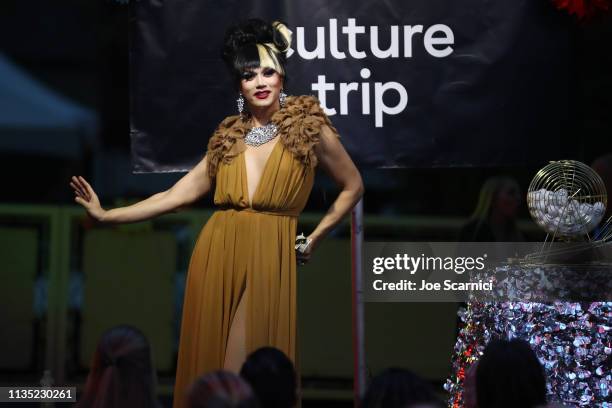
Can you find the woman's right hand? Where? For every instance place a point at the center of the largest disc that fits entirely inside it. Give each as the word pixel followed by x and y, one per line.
pixel 86 196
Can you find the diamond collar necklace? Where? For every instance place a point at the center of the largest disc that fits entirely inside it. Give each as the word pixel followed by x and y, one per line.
pixel 256 136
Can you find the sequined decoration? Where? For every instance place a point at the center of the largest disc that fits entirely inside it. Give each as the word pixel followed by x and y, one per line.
pixel 572 341
pixel 260 135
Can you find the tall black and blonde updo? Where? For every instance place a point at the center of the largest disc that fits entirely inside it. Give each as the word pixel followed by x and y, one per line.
pixel 255 43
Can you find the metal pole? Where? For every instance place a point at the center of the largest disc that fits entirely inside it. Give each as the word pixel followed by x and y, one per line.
pixel 359 367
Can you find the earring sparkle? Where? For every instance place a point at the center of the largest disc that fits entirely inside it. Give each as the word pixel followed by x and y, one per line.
pixel 240 103
pixel 282 98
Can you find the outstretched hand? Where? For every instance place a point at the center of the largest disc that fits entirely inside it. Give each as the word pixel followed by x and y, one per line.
pixel 86 196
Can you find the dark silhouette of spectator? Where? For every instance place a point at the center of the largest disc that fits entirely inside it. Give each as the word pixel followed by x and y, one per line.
pixel 221 389
pixel 272 377
pixel 399 388
pixel 122 372
pixel 509 375
pixel 494 219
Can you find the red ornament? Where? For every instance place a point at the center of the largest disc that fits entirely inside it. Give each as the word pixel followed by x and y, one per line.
pixel 458 402
pixel 583 9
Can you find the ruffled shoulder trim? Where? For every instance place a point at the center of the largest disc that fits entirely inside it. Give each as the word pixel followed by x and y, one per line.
pixel 299 125
pixel 225 142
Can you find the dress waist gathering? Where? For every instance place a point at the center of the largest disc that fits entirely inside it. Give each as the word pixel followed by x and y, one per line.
pixel 278 213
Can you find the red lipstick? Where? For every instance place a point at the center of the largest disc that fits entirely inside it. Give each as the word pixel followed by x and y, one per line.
pixel 262 94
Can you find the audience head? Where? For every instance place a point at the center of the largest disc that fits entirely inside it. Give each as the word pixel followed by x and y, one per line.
pixel 272 377
pixel 509 375
pixel 399 388
pixel 500 194
pixel 122 372
pixel 221 389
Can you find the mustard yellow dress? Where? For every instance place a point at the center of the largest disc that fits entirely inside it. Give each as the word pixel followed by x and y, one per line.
pixel 249 249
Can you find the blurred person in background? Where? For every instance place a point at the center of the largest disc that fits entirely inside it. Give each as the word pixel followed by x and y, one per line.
pixel 221 389
pixel 509 375
pixel 399 388
pixel 272 377
pixel 122 373
pixel 494 219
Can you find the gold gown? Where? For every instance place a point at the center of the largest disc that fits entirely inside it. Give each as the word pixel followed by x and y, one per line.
pixel 249 249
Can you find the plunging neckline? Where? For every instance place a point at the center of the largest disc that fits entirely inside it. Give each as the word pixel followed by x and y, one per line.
pixel 263 172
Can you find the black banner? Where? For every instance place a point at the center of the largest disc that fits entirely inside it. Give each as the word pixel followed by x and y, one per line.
pixel 427 83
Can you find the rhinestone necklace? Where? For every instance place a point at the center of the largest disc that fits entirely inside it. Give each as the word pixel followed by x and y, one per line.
pixel 257 136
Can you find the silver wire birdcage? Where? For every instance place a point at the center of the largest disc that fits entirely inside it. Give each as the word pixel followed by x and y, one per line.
pixel 567 199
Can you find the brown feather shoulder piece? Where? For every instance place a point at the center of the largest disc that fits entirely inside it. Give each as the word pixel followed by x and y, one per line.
pixel 299 125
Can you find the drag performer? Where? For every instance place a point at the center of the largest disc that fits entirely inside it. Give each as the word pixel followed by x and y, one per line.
pixel 241 284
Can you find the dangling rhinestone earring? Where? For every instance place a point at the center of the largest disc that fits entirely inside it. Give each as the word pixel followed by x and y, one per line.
pixel 282 96
pixel 240 103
